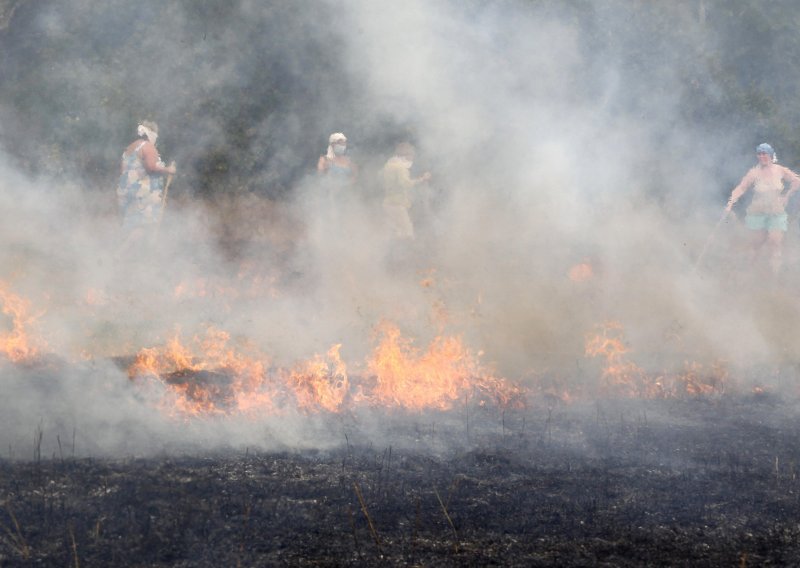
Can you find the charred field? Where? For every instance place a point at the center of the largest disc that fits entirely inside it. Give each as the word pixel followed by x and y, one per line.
pixel 708 480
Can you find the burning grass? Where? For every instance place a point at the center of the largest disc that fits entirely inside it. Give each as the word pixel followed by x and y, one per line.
pixel 16 343
pixel 212 377
pixel 431 458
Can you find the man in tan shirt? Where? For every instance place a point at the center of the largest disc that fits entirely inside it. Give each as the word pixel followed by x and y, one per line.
pixel 397 185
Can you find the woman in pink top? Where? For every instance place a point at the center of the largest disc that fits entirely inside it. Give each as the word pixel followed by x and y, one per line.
pixel 766 215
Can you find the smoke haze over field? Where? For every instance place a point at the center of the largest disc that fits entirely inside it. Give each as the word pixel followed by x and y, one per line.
pixel 556 134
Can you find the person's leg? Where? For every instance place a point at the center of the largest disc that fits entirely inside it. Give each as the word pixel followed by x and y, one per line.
pixel 131 240
pixel 757 240
pixel 775 244
pixel 399 222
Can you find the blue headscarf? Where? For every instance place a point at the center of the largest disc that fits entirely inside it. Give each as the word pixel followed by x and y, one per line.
pixel 767 149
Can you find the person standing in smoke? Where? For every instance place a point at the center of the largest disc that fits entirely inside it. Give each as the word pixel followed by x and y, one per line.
pixel 337 177
pixel 141 183
pixel 397 185
pixel 766 215
pixel 336 166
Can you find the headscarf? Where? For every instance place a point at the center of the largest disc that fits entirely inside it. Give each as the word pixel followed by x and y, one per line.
pixel 332 139
pixel 767 149
pixel 143 130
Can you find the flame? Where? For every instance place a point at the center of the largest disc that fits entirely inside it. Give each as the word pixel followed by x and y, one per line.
pixel 211 378
pixel 156 362
pixel 623 377
pixel 321 384
pixel 620 376
pixel 16 344
pixel 696 381
pixel 445 373
pixel 214 378
pixel 581 272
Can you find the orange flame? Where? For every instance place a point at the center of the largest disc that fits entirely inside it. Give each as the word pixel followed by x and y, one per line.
pixel 696 381
pixel 581 272
pixel 212 378
pixel 15 344
pixel 620 376
pixel 321 384
pixel 231 382
pixel 624 377
pixel 445 373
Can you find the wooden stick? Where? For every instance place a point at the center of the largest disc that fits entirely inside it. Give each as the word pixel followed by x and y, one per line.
pixel 155 236
pixel 164 195
pixel 710 238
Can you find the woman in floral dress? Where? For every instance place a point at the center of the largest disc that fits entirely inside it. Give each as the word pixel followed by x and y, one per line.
pixel 141 182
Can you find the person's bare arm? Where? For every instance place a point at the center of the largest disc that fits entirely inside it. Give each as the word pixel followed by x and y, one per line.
pixel 322 165
pixel 740 189
pixel 150 159
pixel 793 179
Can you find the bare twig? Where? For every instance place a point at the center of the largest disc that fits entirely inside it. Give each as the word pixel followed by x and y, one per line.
pixel 449 520
pixel 74 547
pixel 19 542
pixel 366 514
pixel 97 527
pixel 37 444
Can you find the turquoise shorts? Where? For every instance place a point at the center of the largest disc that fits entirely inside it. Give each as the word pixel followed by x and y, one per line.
pixel 777 222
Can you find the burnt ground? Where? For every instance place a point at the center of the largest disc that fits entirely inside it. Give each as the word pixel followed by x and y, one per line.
pixel 705 481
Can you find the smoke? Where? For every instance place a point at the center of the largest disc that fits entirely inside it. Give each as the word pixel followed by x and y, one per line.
pixel 555 135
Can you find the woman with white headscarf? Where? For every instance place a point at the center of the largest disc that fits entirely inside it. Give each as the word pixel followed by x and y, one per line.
pixel 336 165
pixel 141 181
pixel 766 215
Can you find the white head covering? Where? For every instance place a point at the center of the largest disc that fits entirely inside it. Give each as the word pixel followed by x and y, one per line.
pixel 332 139
pixel 142 130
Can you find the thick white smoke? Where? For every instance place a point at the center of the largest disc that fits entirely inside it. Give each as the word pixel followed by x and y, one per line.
pixel 544 154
